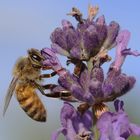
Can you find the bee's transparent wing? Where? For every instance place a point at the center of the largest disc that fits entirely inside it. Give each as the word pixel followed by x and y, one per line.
pixel 9 93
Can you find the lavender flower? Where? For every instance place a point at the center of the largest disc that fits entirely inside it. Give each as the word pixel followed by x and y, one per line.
pixel 88 44
pixel 74 125
pixel 96 89
pixel 117 83
pixel 116 126
pixel 86 40
pixel 80 89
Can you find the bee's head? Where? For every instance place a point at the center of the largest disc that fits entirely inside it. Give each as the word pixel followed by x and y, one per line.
pixel 35 57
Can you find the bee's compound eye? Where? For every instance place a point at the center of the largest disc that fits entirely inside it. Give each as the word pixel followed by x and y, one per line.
pixel 36 58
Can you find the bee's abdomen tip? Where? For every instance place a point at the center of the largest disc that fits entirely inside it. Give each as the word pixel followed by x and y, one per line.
pixel 43 119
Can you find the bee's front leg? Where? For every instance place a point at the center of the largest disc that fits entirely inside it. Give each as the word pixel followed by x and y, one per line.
pixel 47 75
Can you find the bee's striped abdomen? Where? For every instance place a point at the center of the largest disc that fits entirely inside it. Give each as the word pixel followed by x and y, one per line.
pixel 30 102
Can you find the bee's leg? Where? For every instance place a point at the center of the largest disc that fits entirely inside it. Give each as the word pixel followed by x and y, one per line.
pixel 47 67
pixel 48 75
pixel 63 93
pixel 79 67
pixel 69 99
pixel 72 61
pixel 83 107
pixel 49 86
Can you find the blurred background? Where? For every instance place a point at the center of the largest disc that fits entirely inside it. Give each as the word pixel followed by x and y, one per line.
pixel 28 24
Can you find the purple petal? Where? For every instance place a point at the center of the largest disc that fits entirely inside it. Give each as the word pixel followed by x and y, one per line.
pixel 97 73
pixel 79 53
pixel 123 39
pixel 107 89
pixel 83 124
pixel 101 29
pixel 91 42
pixel 135 129
pixel 122 51
pixel 118 105
pixel 78 50
pixel 123 84
pixel 132 81
pixel 74 124
pixel 66 24
pixel 120 83
pixel 95 88
pixel 51 59
pixel 75 52
pixel 104 126
pixel 100 20
pixel 87 119
pixel 57 49
pixel 84 77
pixel 58 38
pixel 77 92
pixel 120 124
pixel 112 32
pixel 67 80
pixel 116 126
pixel 56 134
pixel 122 42
pixel 67 112
pixel 117 84
pixel 130 52
pixel 83 27
pixel 71 132
pixel 108 85
pixel 72 38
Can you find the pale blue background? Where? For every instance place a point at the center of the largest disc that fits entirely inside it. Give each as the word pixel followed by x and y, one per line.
pixel 27 24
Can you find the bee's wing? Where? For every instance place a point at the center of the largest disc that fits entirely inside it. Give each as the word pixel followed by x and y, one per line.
pixel 9 93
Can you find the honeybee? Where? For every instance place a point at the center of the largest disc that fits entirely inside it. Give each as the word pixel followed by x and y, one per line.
pixel 26 79
pixel 25 73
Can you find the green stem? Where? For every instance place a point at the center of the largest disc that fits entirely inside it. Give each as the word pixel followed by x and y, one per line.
pixel 96 133
pixel 90 64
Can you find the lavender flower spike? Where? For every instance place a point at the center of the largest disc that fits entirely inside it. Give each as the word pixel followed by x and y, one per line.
pixel 52 61
pixel 122 51
pixel 74 125
pixel 116 126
